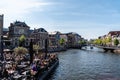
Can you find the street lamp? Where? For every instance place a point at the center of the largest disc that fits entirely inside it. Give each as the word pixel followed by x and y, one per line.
pixel 2 55
pixel 31 51
pixel 46 47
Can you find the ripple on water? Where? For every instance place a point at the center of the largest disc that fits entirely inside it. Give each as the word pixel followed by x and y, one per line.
pixel 87 65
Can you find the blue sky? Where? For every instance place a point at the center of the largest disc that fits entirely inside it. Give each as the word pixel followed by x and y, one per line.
pixel 89 18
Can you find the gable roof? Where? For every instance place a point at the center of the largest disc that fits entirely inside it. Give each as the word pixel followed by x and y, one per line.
pixel 19 23
pixel 39 30
pixel 114 33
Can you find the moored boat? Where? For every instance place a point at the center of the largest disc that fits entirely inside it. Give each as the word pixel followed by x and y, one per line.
pixel 91 47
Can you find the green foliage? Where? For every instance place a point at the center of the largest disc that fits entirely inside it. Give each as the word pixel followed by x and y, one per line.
pixel 22 40
pixel 98 41
pixel 103 41
pixel 116 42
pixel 108 40
pixel 82 42
pixel 91 42
pixel 36 48
pixel 20 50
pixel 62 41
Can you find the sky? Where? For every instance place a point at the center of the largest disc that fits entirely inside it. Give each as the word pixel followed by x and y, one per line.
pixel 89 18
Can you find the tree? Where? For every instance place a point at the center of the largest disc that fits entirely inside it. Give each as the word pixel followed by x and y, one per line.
pixel 62 41
pixel 22 40
pixel 20 51
pixel 108 40
pixel 116 42
pixel 104 41
pixel 36 48
pixel 98 41
pixel 91 41
pixel 82 42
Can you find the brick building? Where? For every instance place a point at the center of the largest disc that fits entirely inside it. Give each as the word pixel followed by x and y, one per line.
pixel 39 36
pixel 17 29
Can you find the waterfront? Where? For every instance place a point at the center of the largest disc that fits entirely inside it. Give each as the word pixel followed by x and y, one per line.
pixel 87 65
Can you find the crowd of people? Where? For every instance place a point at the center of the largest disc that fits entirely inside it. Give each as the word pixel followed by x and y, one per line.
pixel 18 66
pixel 41 64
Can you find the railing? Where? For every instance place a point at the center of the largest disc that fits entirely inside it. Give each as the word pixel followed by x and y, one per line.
pixel 109 47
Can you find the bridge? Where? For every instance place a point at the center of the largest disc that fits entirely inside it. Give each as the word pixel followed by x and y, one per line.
pixel 108 48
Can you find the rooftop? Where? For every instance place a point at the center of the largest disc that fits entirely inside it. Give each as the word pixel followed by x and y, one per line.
pixel 53 33
pixel 19 23
pixel 39 30
pixel 114 33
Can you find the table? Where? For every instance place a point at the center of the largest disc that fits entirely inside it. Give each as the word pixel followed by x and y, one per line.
pixel 22 66
pixel 11 71
pixel 16 77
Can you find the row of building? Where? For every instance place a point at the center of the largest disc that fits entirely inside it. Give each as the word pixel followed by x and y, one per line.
pixel 112 35
pixel 38 36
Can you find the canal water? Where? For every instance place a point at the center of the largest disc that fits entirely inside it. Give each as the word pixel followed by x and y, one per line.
pixel 90 64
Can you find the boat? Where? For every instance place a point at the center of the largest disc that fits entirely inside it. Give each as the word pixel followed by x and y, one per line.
pixel 91 47
pixel 47 73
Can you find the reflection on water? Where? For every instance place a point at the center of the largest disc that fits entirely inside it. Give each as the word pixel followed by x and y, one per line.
pixel 87 65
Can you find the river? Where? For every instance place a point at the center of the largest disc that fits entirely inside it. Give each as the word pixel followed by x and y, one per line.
pixel 90 64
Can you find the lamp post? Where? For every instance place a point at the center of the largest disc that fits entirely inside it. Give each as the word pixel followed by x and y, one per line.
pixel 2 55
pixel 31 51
pixel 46 47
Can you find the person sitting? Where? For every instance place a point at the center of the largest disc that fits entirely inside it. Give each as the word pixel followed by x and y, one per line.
pixel 0 72
pixel 33 69
pixel 5 73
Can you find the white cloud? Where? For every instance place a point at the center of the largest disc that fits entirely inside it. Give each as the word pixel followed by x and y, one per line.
pixel 19 9
pixel 20 6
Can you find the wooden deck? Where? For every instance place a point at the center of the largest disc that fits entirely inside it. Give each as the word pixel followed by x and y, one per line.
pixel 47 73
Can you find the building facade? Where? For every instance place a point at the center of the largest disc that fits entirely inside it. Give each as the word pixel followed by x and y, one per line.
pixel 54 38
pixel 39 36
pixel 16 30
pixel 64 36
pixel 114 35
pixel 73 39
pixel 111 36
